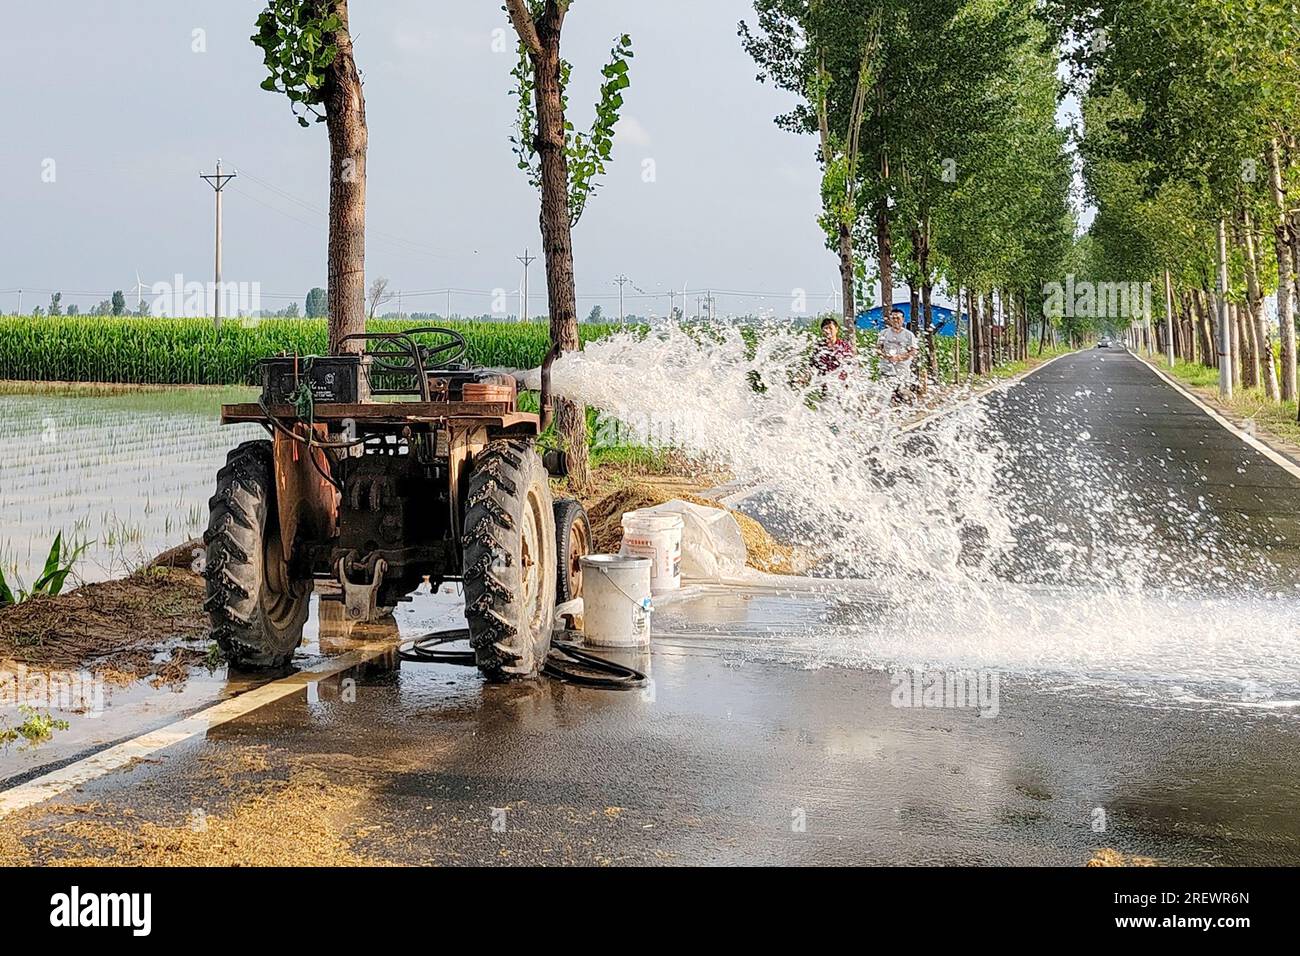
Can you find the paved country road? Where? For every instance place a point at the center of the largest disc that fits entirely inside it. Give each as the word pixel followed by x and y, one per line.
pixel 1151 453
pixel 742 753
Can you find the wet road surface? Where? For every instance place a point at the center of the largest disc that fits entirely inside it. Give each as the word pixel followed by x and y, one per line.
pixel 1109 454
pixel 739 751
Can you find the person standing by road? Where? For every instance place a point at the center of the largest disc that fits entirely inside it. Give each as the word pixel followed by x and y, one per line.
pixel 832 352
pixel 897 347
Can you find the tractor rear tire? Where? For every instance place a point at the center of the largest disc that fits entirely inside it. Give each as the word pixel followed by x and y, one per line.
pixel 510 561
pixel 257 605
pixel 573 540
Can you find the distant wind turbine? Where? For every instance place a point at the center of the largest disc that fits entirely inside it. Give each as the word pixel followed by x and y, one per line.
pixel 139 290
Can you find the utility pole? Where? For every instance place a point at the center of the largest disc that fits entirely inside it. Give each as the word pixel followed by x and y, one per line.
pixel 218 181
pixel 622 280
pixel 527 260
pixel 448 315
pixel 20 301
pixel 399 303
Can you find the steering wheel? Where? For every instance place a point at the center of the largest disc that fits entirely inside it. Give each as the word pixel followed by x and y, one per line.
pixel 452 351
pixel 397 354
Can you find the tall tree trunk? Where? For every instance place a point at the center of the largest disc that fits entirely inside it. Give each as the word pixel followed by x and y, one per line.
pixel 1208 329
pixel 991 341
pixel 1241 363
pixel 1225 347
pixel 956 341
pixel 1295 253
pixel 914 326
pixel 345 121
pixel 1024 326
pixel 1007 310
pixel 557 231
pixel 976 330
pixel 986 331
pixel 925 322
pixel 885 251
pixel 846 281
pixel 1261 341
pixel 1285 277
pixel 927 315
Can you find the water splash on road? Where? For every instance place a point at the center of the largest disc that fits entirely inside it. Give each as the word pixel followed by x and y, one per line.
pixel 1025 531
pixel 840 471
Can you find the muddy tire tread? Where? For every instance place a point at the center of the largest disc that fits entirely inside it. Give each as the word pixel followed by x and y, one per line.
pixel 495 499
pixel 239 515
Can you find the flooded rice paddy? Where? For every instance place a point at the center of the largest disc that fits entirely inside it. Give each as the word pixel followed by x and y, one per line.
pixel 127 474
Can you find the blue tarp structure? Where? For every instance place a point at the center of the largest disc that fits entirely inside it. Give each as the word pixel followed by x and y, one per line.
pixel 942 318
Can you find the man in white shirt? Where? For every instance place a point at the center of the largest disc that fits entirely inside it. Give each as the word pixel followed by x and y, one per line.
pixel 897 348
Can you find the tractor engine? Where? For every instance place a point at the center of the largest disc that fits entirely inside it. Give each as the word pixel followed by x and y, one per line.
pixel 393 518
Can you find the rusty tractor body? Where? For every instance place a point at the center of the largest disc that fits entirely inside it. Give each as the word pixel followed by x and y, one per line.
pixel 382 469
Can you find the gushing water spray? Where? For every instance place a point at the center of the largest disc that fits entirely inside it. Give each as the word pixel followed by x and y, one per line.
pixel 839 471
pixel 1001 541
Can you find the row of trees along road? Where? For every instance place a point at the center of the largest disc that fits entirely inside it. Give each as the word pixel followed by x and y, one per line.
pixel 1191 111
pixel 941 158
pixel 308 54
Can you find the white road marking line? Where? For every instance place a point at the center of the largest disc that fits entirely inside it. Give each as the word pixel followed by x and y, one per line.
pixel 1276 457
pixel 120 755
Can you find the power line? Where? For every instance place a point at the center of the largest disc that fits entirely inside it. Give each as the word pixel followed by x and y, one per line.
pixel 370 230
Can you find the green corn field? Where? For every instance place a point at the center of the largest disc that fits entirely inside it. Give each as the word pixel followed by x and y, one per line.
pixel 181 351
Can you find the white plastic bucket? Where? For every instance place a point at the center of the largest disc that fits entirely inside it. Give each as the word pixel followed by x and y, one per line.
pixel 657 536
pixel 615 600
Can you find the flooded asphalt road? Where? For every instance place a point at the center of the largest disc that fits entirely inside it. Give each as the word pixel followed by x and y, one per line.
pixel 739 751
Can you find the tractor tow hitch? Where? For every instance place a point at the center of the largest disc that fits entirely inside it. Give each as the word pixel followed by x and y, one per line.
pixel 361 601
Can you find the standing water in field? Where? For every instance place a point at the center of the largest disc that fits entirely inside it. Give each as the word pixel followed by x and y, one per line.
pixel 126 473
pixel 1023 531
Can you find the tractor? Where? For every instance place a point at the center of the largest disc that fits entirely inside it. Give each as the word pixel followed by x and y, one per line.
pixel 383 467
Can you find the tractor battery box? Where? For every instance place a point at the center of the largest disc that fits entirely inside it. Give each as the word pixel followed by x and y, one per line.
pixel 333 379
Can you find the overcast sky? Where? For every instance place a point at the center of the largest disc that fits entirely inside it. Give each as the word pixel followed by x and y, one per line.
pixel 114 101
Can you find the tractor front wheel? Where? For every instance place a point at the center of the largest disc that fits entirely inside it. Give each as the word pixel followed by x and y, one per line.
pixel 510 561
pixel 257 605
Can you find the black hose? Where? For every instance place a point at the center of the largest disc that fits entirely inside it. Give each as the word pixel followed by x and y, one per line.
pixel 567 661
pixel 424 650
pixel 621 676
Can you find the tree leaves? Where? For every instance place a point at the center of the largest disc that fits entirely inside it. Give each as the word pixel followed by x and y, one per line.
pixel 586 153
pixel 297 41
